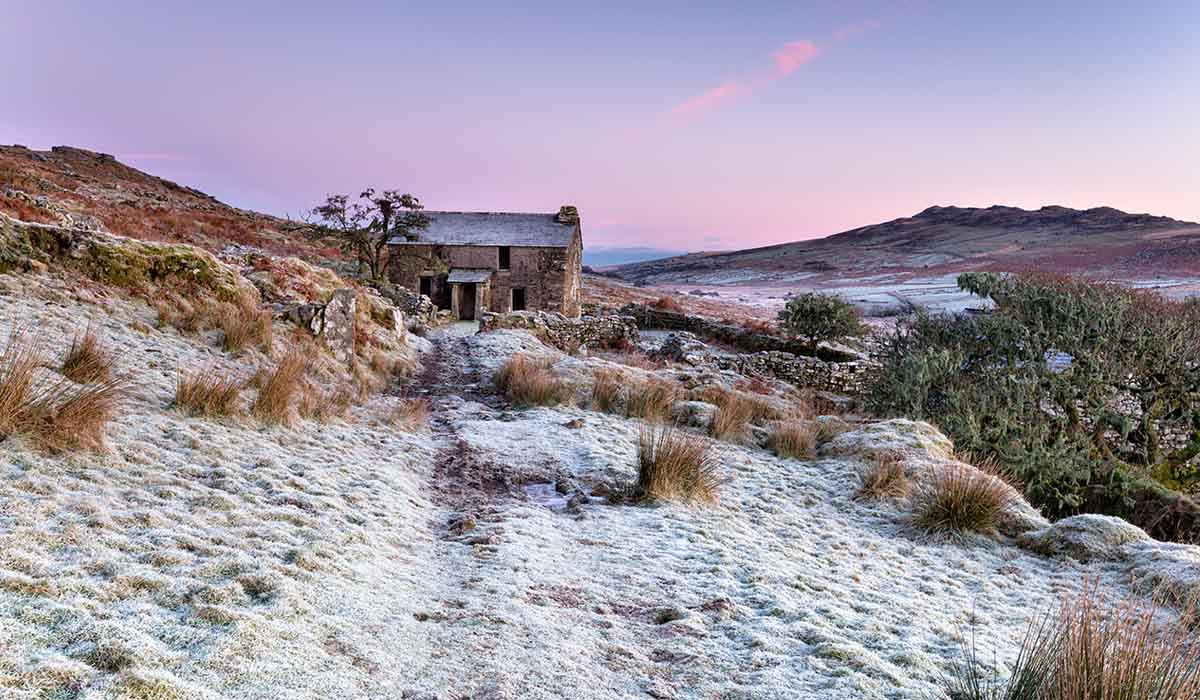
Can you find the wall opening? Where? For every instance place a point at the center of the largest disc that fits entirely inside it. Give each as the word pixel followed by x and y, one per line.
pixel 505 258
pixel 518 299
pixel 427 286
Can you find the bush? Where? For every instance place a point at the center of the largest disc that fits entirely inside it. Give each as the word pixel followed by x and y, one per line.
pixel 816 317
pixel 674 465
pixel 959 499
pixel 274 401
pixel 207 393
pixel 883 479
pixel 796 439
pixel 1072 385
pixel 1091 650
pixel 528 381
pixel 88 360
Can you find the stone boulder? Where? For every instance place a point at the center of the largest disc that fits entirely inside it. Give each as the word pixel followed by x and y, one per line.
pixel 685 348
pixel 418 308
pixel 1165 567
pixel 339 321
pixel 695 414
pixel 1085 537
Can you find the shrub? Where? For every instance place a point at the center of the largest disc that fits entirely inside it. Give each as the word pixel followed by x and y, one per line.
pixel 665 303
pixel 207 393
pixel 816 317
pixel 959 499
pixel 274 401
pixel 883 479
pixel 88 360
pixel 674 465
pixel 411 414
pixel 796 439
pixel 528 381
pixel 608 390
pixel 1090 650
pixel 244 325
pixel 1070 384
pixel 651 400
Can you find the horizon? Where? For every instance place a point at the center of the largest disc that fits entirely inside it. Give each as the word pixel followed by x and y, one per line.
pixel 702 132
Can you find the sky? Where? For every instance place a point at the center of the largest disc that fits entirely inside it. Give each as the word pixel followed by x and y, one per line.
pixel 671 125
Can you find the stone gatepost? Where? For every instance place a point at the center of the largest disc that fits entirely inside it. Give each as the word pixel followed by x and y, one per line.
pixel 338 327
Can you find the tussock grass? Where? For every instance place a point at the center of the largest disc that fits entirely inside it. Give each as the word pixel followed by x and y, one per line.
pixel 674 465
pixel 796 439
pixel 410 415
pixel 608 390
pixel 88 360
pixel 244 325
pixel 651 400
pixel 959 499
pixel 883 478
pixel 324 406
pixel 208 393
pixel 830 428
pixel 732 420
pixel 274 403
pixel 1091 650
pixel 59 415
pixel 527 381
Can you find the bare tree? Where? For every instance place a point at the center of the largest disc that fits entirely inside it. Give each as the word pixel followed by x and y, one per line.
pixel 362 228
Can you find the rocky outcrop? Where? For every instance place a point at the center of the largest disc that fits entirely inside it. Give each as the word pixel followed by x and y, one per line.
pixel 1085 537
pixel 339 322
pixel 565 333
pixel 416 308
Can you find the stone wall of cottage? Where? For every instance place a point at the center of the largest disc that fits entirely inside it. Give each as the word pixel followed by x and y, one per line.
pixel 550 276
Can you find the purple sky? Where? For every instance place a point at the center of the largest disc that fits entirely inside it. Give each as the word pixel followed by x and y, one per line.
pixel 683 125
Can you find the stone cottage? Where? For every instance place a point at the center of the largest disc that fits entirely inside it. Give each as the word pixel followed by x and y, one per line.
pixel 471 262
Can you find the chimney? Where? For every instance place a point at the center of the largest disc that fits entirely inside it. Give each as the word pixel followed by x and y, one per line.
pixel 567 214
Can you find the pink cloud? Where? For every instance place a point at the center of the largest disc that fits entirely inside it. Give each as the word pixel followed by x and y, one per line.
pixel 793 55
pixel 725 91
pixel 852 30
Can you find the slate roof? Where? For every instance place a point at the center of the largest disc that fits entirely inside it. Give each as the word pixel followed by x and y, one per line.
pixel 468 274
pixel 490 228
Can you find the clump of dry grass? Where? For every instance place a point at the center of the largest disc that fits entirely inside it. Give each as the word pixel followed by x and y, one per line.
pixel 960 499
pixel 608 390
pixel 244 325
pixel 59 415
pixel 88 360
pixel 527 381
pixel 675 465
pixel 410 414
pixel 274 401
pixel 666 303
pixel 830 428
pixel 651 400
pixel 732 419
pixel 796 439
pixel 182 314
pixel 208 393
pixel 883 478
pixel 1092 650
pixel 324 406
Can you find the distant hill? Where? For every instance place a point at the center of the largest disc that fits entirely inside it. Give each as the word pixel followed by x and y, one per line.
pixel 1103 242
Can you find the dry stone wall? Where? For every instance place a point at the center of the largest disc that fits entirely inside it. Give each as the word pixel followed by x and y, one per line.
pixel 565 333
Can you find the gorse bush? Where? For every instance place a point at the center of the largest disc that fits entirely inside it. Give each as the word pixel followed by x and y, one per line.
pixel 1089 393
pixel 1090 650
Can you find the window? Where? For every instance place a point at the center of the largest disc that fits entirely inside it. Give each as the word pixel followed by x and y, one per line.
pixel 427 286
pixel 505 262
pixel 518 299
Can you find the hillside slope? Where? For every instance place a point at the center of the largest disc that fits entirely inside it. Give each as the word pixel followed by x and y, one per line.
pixel 944 240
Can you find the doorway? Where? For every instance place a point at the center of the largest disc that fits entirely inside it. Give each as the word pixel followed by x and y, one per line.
pixel 518 299
pixel 466 301
pixel 427 286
